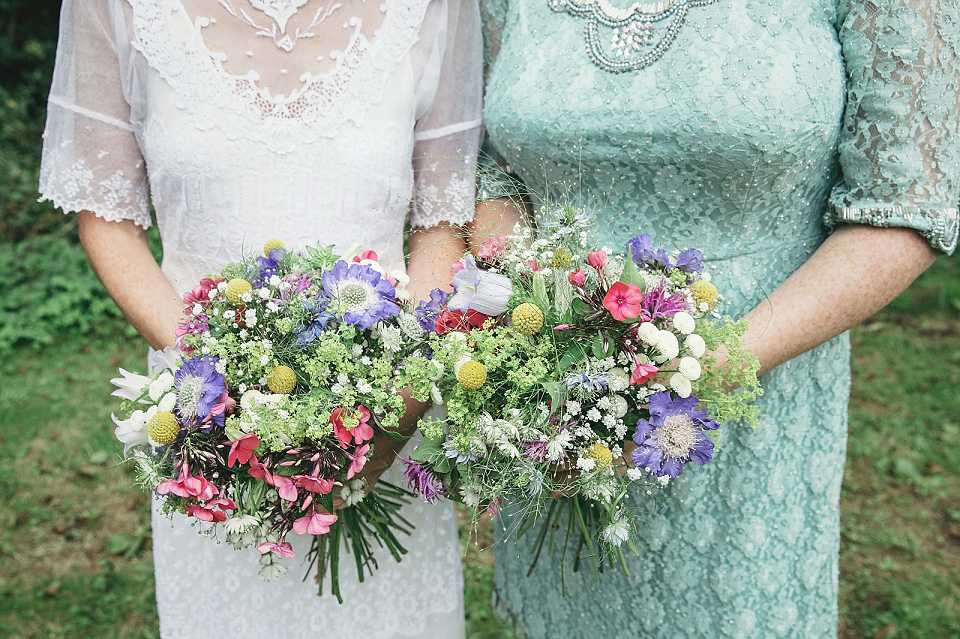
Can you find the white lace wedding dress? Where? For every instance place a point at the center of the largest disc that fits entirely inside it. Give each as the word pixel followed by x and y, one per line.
pixel 244 120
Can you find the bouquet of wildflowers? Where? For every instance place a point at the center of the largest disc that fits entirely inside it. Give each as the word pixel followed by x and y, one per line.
pixel 267 410
pixel 554 359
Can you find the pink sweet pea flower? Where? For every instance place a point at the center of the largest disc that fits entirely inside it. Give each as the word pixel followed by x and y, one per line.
pixel 623 301
pixel 313 484
pixel 342 421
pixel 366 255
pixel 597 259
pixel 208 511
pixel 358 460
pixel 456 267
pixel 242 449
pixel 260 471
pixel 284 549
pixel 643 373
pixel 492 247
pixel 577 278
pixel 187 485
pixel 315 524
pixel 225 404
pixel 284 486
pixel 200 294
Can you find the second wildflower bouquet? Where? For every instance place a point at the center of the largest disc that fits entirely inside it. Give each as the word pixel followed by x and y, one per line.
pixel 267 411
pixel 554 359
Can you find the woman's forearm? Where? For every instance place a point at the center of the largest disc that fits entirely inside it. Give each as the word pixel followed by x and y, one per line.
pixel 494 218
pixel 432 252
pixel 857 271
pixel 119 254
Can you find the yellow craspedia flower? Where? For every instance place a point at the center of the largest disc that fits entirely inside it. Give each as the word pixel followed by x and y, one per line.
pixel 527 318
pixel 236 288
pixel 704 293
pixel 562 258
pixel 269 245
pixel 282 380
pixel 163 427
pixel 472 375
pixel 600 454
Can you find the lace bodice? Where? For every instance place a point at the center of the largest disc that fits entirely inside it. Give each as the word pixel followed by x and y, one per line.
pixel 761 122
pixel 333 121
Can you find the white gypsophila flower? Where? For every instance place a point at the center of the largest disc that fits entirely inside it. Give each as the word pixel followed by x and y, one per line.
pixel 609 420
pixel 247 297
pixel 197 309
pixel 557 445
pixel 390 336
pixel 695 345
pixel 364 386
pixel 131 385
pixel 357 350
pixel 275 280
pixel 663 480
pixel 634 474
pixel 167 403
pixel 703 307
pixel 681 385
pixel 272 307
pixel 593 414
pixel 690 368
pixel 573 407
pixel 648 333
pixel 159 386
pixel 653 388
pixel 621 430
pixel 684 322
pixel 586 464
pixel 618 380
pixel 604 402
pixel 264 293
pixel 668 346
pixel 228 315
pixel 343 378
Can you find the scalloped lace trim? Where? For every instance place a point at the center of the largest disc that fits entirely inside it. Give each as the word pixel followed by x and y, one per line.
pixel 237 106
pixel 114 199
pixel 453 204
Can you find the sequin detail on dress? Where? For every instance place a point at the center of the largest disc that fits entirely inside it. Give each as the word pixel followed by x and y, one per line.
pixel 633 38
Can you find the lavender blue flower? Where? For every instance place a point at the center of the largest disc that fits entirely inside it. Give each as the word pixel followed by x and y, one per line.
pixel 643 252
pixel 584 385
pixel 480 290
pixel 690 261
pixel 360 293
pixel 672 436
pixel 318 318
pixel 423 480
pixel 199 387
pixel 450 450
pixel 428 312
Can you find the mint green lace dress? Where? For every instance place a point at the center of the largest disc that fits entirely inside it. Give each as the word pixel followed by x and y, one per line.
pixel 747 129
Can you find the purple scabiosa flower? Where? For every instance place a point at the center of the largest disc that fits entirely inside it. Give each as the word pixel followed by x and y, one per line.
pixel 423 480
pixel 428 312
pixel 318 317
pixel 643 252
pixel 480 290
pixel 657 304
pixel 690 261
pixel 199 388
pixel 672 436
pixel 360 293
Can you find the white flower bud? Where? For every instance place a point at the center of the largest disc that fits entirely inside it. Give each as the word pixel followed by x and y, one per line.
pixel 695 345
pixel 680 385
pixel 690 368
pixel 684 322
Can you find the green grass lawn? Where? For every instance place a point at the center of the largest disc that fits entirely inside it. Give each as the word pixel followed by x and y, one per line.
pixel 74 538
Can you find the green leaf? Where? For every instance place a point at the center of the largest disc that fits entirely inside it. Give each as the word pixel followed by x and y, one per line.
pixel 599 347
pixel 631 275
pixel 574 355
pixel 580 307
pixel 540 291
pixel 444 465
pixel 555 389
pixel 428 451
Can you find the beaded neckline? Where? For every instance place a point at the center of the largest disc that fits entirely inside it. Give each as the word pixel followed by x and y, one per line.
pixel 633 39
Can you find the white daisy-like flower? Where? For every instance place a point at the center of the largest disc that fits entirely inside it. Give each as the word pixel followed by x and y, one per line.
pixel 471 496
pixel 586 464
pixel 681 385
pixel 690 368
pixel 619 380
pixel 695 345
pixel 273 571
pixel 616 532
pixel 557 445
pixel 390 336
pixel 159 386
pixel 684 322
pixel 648 333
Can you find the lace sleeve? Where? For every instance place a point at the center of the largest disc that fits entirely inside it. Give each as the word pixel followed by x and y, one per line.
pixel 91 159
pixel 899 146
pixel 447 134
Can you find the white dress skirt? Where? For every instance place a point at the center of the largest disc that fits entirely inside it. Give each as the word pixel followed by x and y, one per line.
pixel 305 120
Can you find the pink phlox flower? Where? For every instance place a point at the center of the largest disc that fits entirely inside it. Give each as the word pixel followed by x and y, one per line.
pixel 623 301
pixel 314 484
pixel 358 460
pixel 643 373
pixel 578 278
pixel 283 548
pixel 314 524
pixel 225 404
pixel 187 485
pixel 356 434
pixel 492 247
pixel 209 512
pixel 493 507
pixel 242 449
pixel 597 259
pixel 284 485
pixel 259 471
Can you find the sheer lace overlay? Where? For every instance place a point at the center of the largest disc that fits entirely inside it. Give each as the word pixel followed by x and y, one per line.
pixel 761 122
pixel 242 120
